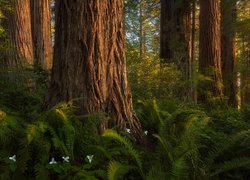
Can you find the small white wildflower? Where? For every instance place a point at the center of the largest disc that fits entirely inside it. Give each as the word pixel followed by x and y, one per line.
pixel 52 161
pixel 128 130
pixel 13 158
pixel 65 159
pixel 146 132
pixel 90 157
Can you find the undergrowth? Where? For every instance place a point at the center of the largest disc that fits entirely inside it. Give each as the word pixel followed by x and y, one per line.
pixel 179 141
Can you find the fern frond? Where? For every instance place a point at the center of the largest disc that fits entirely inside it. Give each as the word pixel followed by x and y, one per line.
pixel 231 165
pixel 156 172
pixel 128 145
pixel 166 146
pixel 117 171
pixel 179 170
pixel 216 151
pixel 41 172
pixel 102 150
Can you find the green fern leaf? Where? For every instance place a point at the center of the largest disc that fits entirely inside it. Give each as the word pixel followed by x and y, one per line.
pixel 117 171
pixel 134 154
pixel 179 169
pixel 231 164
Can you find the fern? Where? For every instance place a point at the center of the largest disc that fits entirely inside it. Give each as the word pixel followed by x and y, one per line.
pixel 157 172
pixel 167 147
pixel 179 169
pixel 9 129
pixel 117 171
pixel 231 165
pixel 134 154
pixel 102 149
pixel 41 172
pixel 215 152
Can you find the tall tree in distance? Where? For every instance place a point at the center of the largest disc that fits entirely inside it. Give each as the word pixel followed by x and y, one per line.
pixel 228 50
pixel 142 30
pixel 18 27
pixel 176 36
pixel 210 48
pixel 41 32
pixel 89 60
pixel 175 42
pixel 193 93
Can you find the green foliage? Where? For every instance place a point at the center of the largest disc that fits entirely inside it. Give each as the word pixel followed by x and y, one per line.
pixel 117 171
pixel 232 164
pixel 183 141
pixel 129 147
pixel 191 143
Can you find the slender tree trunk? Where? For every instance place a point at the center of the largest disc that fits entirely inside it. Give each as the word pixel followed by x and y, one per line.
pixel 192 54
pixel 185 29
pixel 41 32
pixel 18 28
pixel 142 30
pixel 245 75
pixel 210 48
pixel 89 60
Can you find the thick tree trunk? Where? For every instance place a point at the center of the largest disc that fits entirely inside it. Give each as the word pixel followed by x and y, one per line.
pixel 18 28
pixel 166 26
pixel 175 38
pixel 210 48
pixel 41 32
pixel 89 60
pixel 228 56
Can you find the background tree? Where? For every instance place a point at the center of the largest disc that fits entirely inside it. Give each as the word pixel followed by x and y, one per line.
pixel 89 60
pixel 210 49
pixel 176 37
pixel 142 30
pixel 18 27
pixel 228 51
pixel 176 31
pixel 243 50
pixel 41 32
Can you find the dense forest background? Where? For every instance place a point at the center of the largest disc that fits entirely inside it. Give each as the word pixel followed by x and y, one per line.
pixel 125 89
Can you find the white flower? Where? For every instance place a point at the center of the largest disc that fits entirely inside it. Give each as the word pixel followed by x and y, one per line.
pixel 65 159
pixel 13 158
pixel 128 130
pixel 146 132
pixel 90 157
pixel 52 161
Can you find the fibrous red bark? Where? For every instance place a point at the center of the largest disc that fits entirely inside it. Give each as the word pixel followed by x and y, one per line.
pixel 41 32
pixel 210 48
pixel 18 28
pixel 89 60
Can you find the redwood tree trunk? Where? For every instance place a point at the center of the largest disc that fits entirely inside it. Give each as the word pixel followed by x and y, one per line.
pixel 228 57
pixel 41 32
pixel 192 53
pixel 175 40
pixel 89 60
pixel 166 25
pixel 210 48
pixel 18 28
pixel 142 30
